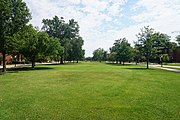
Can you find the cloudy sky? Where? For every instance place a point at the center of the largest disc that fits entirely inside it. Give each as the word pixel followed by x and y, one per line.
pixel 103 21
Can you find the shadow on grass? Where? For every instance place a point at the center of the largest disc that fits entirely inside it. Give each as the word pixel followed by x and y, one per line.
pixel 28 68
pixel 66 63
pixel 16 70
pixel 117 64
pixel 140 69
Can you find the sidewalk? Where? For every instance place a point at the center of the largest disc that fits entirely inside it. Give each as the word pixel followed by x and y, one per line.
pixel 13 65
pixel 167 67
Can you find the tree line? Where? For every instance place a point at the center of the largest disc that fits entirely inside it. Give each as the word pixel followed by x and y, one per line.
pixel 151 46
pixel 57 40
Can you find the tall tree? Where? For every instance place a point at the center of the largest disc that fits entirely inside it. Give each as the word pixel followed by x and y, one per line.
pixel 14 15
pixel 98 54
pixel 54 49
pixel 123 50
pixel 68 33
pixel 145 41
pixel 38 45
pixel 163 46
pixel 77 52
pixel 55 28
pixel 30 47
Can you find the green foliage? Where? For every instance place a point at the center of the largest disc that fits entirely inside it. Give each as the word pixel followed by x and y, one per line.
pixel 112 56
pixel 165 57
pixel 145 43
pixel 136 53
pixel 154 45
pixel 14 15
pixel 68 33
pixel 99 55
pixel 54 49
pixel 30 44
pixel 55 27
pixel 38 45
pixel 121 50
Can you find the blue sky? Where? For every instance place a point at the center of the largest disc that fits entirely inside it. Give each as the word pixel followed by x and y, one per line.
pixel 103 21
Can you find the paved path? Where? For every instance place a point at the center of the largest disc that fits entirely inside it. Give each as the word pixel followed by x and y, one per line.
pixel 23 65
pixel 167 67
pixel 13 65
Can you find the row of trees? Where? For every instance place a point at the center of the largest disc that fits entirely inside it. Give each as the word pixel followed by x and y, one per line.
pixel 68 33
pixel 56 40
pixel 150 46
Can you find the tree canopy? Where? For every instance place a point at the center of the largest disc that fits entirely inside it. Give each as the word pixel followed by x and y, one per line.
pixel 122 51
pixel 68 33
pixel 14 15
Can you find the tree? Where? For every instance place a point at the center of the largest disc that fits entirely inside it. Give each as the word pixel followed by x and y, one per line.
pixel 55 28
pixel 137 56
pixel 178 39
pixel 54 49
pixel 163 47
pixel 68 33
pixel 123 50
pixel 145 42
pixel 14 15
pixel 38 45
pixel 30 47
pixel 112 56
pixel 98 54
pixel 77 52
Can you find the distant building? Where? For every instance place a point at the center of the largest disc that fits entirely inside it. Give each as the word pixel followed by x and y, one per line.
pixel 9 59
pixel 176 54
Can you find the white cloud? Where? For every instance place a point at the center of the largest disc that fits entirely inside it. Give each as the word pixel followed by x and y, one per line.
pixel 99 19
pixel 163 15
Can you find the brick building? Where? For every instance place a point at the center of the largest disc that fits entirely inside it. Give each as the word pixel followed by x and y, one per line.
pixel 8 59
pixel 176 54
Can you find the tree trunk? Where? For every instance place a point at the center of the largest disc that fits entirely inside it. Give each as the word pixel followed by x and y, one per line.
pixel 147 60
pixel 123 62
pixel 4 62
pixel 61 62
pixel 33 64
pixel 77 61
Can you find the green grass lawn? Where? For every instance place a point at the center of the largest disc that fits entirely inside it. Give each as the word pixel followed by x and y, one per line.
pixel 90 91
pixel 173 64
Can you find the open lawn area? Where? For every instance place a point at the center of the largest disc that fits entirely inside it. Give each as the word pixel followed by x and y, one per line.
pixel 90 91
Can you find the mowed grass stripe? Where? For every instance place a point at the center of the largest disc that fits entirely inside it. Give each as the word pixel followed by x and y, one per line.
pixel 90 91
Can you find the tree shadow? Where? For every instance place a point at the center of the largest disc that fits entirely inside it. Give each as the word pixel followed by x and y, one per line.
pixel 51 64
pixel 140 69
pixel 117 64
pixel 66 63
pixel 16 70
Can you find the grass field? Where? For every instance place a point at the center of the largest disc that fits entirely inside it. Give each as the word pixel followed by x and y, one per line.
pixel 173 64
pixel 90 91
